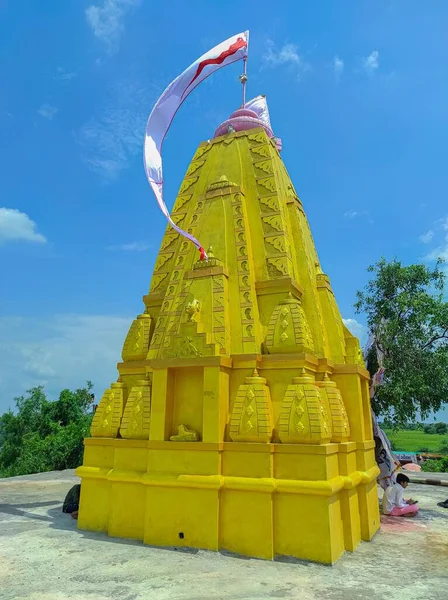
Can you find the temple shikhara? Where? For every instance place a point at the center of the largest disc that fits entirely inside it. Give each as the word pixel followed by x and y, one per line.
pixel 241 418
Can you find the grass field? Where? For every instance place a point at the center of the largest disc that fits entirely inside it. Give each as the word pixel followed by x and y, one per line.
pixel 414 441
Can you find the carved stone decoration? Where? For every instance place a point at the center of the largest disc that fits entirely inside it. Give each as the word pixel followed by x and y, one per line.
pixel 201 151
pixel 185 435
pixel 354 352
pixel 157 280
pixel 186 184
pixel 192 309
pixel 332 396
pixel 277 267
pixel 257 138
pixel 190 342
pixel 273 223
pixel 303 415
pixel 137 341
pixel 106 421
pixel 178 218
pixel 278 243
pixel 288 330
pixel 269 204
pixel 182 201
pixel 220 184
pixel 162 260
pixel 263 151
pixel 168 240
pixel 137 414
pixel 251 419
pixel 194 166
pixel 212 261
pixel 265 166
pixel 268 183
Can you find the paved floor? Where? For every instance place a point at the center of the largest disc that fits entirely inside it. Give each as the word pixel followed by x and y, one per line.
pixel 44 557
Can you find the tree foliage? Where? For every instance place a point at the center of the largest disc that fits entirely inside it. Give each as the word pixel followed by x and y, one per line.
pixel 408 316
pixel 43 435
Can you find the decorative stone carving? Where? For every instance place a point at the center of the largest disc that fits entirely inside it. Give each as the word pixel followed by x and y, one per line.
pixel 221 183
pixel 269 203
pixel 256 138
pixel 185 435
pixel 261 151
pixel 137 341
pixel 186 185
pixel 251 419
pixel 162 260
pixel 288 329
pixel 106 421
pixel 273 223
pixel 333 398
pixel 157 280
pixel 192 309
pixel 268 183
pixel 194 166
pixel 354 353
pixel 277 267
pixel 303 414
pixel 137 414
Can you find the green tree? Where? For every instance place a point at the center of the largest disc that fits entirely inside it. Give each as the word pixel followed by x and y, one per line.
pixel 435 466
pixel 406 312
pixel 440 428
pixel 44 435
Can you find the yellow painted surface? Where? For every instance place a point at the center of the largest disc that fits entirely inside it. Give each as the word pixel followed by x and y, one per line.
pixel 241 417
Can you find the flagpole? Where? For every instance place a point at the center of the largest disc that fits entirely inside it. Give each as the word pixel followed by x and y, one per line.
pixel 243 79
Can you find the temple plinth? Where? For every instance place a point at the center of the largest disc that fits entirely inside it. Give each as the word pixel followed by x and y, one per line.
pixel 241 416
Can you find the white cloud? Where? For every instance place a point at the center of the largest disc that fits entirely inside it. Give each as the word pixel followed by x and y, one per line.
pixel 64 75
pixel 287 55
pixel 131 247
pixel 47 111
pixel 371 62
pixel 16 225
pixel 357 329
pixel 111 140
pixel 441 250
pixel 59 352
pixel 427 237
pixel 338 66
pixel 354 214
pixel 106 21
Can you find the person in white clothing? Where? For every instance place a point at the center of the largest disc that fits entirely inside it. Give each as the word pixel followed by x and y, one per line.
pixel 394 503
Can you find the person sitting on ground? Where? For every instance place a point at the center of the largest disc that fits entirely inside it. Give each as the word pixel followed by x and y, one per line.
pixel 393 501
pixel 71 502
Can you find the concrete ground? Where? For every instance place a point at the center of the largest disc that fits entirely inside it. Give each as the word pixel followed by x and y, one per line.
pixel 44 557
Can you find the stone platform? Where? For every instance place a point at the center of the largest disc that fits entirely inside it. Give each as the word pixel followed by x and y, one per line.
pixel 44 557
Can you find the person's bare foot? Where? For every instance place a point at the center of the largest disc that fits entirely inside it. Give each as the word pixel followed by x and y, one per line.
pixel 75 514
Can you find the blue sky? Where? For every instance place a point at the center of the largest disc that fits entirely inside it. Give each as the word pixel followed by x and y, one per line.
pixel 357 91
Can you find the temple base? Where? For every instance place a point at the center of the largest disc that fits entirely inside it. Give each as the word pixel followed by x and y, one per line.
pixel 245 498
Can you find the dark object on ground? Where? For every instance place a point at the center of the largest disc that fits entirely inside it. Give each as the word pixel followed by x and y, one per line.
pixel 443 504
pixel 71 502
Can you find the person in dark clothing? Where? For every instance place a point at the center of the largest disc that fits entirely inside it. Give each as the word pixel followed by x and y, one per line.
pixel 71 502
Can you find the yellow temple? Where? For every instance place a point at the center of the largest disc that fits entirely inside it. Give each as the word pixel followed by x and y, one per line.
pixel 241 418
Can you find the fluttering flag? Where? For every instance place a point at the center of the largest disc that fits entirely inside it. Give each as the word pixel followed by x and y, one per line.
pixel 162 115
pixel 260 106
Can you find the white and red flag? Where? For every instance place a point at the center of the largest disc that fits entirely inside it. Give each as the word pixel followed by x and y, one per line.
pixel 260 106
pixel 162 115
